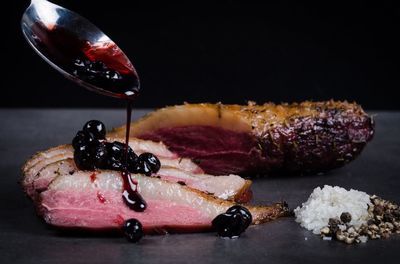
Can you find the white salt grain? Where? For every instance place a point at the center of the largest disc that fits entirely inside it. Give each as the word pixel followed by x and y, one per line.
pixel 363 239
pixel 331 202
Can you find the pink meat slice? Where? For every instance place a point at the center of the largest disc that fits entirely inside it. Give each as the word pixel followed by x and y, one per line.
pixel 83 201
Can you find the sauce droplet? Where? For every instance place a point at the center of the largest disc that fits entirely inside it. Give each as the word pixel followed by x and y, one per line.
pixel 101 198
pixel 131 196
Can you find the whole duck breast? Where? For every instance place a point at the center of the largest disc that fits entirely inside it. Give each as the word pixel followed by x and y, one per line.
pixel 260 139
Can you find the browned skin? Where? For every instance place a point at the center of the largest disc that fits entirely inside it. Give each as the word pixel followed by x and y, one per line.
pixel 296 138
pixel 245 194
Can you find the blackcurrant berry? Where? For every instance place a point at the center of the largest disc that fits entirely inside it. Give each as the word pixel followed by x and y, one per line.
pixel 247 217
pixel 133 230
pixel 97 129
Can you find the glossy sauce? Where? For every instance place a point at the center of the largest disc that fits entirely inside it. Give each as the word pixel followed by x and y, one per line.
pixel 102 65
pixel 131 196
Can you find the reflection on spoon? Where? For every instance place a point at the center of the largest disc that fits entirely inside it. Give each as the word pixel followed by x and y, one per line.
pixel 79 50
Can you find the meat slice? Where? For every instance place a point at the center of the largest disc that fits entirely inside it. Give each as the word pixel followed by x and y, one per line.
pixel 229 187
pixel 87 201
pixel 260 139
pixel 43 167
pixel 41 159
pixel 48 173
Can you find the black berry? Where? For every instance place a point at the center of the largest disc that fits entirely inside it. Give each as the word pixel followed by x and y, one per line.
pixel 132 157
pixel 114 164
pixel 133 162
pixel 116 157
pixel 100 156
pixel 112 75
pixel 79 140
pixel 116 150
pixel 95 72
pixel 97 129
pixel 229 225
pixel 84 138
pixel 92 151
pixel 96 67
pixel 150 161
pixel 144 168
pixel 83 158
pixel 247 217
pixel 133 230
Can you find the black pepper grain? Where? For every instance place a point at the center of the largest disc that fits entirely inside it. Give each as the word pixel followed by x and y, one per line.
pixel 382 223
pixel 396 213
pixel 333 225
pixel 345 217
pixel 387 217
pixel 378 210
pixel 334 222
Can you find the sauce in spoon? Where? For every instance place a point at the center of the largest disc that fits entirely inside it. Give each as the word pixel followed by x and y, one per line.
pixel 83 53
pixel 104 65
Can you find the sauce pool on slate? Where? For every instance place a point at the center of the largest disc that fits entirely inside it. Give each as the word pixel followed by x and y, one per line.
pixel 101 65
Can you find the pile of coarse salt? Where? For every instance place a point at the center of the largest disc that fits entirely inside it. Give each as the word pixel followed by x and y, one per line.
pixel 331 202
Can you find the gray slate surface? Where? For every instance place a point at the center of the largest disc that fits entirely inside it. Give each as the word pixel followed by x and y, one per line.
pixel 25 239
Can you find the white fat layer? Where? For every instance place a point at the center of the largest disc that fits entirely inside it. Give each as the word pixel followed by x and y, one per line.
pixel 223 186
pixel 150 188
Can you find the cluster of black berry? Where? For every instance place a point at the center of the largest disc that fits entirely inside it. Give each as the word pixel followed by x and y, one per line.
pixel 94 70
pixel 232 223
pixel 92 151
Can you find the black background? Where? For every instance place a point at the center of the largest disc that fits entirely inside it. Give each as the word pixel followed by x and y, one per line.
pixel 229 52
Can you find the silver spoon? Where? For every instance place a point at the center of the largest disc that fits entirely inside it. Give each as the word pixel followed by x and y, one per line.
pixel 79 50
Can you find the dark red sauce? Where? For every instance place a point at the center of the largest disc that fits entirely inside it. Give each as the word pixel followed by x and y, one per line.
pixel 101 198
pixel 93 177
pixel 101 65
pixel 131 196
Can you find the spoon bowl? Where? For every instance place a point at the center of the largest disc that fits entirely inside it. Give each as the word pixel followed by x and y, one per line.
pixel 78 49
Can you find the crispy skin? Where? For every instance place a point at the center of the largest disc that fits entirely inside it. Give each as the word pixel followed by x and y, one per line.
pixel 290 138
